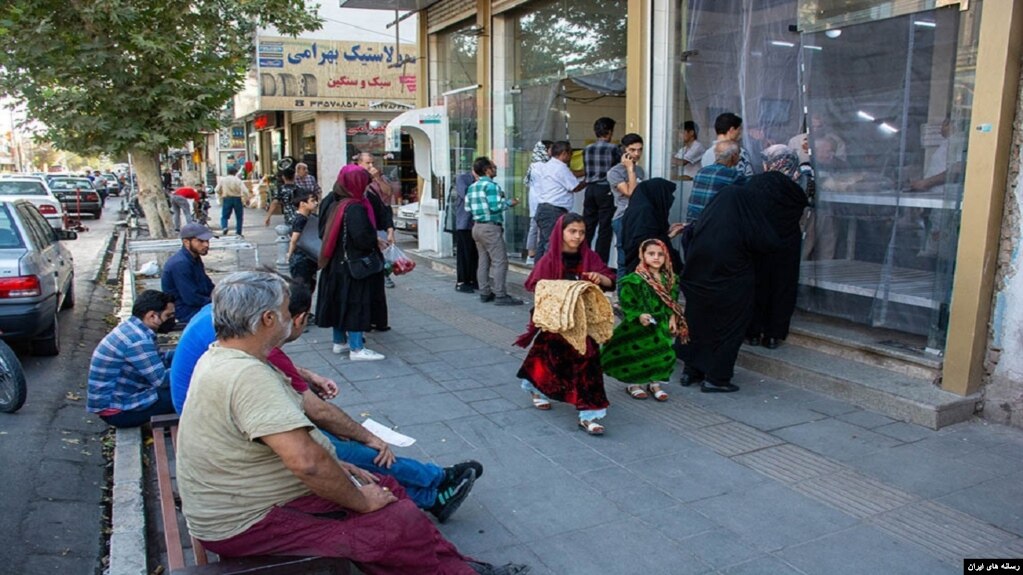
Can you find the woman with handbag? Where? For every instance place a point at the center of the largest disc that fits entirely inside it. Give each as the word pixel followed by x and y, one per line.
pixel 351 263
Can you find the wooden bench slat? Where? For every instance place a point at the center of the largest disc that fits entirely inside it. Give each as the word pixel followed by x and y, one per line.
pixel 171 534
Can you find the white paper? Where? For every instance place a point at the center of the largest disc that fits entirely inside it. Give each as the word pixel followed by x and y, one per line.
pixel 387 434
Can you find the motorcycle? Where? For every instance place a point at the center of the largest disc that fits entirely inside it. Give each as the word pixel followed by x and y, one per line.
pixel 12 380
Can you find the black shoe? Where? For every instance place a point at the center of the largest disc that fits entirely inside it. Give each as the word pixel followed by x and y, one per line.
pixel 456 470
pixel 754 341
pixel 507 300
pixel 772 342
pixel 688 379
pixel 708 387
pixel 464 288
pixel 379 328
pixel 487 298
pixel 452 496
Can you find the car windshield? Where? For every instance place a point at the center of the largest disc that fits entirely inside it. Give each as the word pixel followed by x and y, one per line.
pixel 69 184
pixel 9 188
pixel 9 237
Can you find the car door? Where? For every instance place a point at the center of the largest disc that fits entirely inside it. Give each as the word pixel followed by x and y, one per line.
pixel 46 257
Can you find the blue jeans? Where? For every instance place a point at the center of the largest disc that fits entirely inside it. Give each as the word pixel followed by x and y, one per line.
pixel 616 226
pixel 227 206
pixel 419 479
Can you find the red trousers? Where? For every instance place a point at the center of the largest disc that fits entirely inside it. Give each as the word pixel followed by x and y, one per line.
pixel 398 539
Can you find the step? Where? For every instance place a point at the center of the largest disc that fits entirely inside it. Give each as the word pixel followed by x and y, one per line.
pixel 892 393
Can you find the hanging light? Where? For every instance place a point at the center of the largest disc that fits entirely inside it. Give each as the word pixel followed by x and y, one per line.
pixel 925 24
pixel 865 116
pixel 834 33
pixel 782 44
pixel 885 126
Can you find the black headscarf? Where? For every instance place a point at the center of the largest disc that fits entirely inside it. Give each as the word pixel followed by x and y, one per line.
pixel 647 218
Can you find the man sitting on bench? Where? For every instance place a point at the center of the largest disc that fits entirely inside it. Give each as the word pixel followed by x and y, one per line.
pixel 437 490
pixel 257 478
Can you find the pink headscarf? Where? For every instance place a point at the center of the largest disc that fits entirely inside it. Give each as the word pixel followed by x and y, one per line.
pixel 352 180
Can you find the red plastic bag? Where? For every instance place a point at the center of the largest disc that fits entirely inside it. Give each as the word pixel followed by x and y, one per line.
pixel 400 264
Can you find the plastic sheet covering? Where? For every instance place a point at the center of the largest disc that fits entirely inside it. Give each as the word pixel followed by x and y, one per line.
pixel 889 176
pixel 610 83
pixel 742 58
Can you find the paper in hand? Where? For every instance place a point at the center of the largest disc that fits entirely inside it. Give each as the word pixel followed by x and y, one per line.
pixel 387 434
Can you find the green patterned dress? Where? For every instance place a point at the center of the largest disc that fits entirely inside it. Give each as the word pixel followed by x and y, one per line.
pixel 638 354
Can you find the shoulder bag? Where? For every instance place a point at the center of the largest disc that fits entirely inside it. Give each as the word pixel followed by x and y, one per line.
pixel 309 242
pixel 362 267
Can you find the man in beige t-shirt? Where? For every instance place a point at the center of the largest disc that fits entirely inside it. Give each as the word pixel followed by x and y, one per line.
pixel 256 477
pixel 232 194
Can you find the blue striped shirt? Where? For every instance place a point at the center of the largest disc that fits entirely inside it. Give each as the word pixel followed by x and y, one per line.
pixel 126 369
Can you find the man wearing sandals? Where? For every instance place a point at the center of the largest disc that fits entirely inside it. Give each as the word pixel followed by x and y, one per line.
pixel 264 480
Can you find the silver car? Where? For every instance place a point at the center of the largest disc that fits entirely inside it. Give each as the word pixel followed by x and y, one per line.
pixel 37 277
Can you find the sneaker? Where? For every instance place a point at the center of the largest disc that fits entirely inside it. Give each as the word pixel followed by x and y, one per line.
pixel 388 282
pixel 464 288
pixel 507 300
pixel 365 354
pixel 487 298
pixel 341 348
pixel 454 471
pixel 451 497
pixel 506 569
pixel 223 232
pixel 530 261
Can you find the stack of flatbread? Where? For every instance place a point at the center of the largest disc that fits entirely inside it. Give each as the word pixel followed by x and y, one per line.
pixel 574 309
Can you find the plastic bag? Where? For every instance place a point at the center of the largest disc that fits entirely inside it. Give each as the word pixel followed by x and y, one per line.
pixel 397 261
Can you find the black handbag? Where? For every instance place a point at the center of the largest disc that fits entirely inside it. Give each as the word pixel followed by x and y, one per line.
pixel 309 242
pixel 362 267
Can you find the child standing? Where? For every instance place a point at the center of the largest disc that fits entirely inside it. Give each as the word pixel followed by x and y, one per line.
pixel 301 265
pixel 640 351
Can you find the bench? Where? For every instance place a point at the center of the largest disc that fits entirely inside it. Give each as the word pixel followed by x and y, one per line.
pixel 165 430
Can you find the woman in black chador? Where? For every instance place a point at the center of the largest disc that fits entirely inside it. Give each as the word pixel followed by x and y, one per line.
pixel 742 224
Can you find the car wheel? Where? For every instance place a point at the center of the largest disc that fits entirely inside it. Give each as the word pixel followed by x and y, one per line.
pixel 12 381
pixel 69 296
pixel 97 213
pixel 48 344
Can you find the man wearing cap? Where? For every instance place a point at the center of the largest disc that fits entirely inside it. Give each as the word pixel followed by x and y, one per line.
pixel 184 275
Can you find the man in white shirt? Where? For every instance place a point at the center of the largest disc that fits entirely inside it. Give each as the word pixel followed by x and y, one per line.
pixel 689 157
pixel 554 184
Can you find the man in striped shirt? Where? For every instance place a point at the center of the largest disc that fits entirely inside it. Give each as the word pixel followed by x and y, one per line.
pixel 485 201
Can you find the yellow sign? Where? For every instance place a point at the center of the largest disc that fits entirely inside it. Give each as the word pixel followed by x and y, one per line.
pixel 322 75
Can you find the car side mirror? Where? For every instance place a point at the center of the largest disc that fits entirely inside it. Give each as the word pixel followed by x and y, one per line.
pixel 66 235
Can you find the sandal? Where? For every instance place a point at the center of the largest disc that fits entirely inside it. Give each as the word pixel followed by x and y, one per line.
pixel 591 427
pixel 636 392
pixel 656 391
pixel 540 403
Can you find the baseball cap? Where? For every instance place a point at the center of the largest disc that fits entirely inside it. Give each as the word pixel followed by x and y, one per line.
pixel 197 231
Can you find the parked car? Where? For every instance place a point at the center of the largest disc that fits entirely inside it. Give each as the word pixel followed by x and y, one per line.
pixel 37 277
pixel 406 218
pixel 35 190
pixel 113 184
pixel 77 196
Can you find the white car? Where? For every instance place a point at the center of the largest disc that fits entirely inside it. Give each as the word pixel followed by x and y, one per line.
pixel 406 218
pixel 37 192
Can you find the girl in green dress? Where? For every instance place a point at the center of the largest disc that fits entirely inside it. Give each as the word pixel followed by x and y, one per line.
pixel 640 351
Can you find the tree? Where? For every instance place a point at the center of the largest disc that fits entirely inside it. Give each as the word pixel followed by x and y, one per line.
pixel 134 76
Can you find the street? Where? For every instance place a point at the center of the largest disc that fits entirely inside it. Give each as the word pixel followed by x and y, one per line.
pixel 53 467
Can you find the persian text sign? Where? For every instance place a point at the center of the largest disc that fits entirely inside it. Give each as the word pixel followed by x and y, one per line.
pixel 300 74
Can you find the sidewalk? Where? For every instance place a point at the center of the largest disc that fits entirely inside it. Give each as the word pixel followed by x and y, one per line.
pixel 772 479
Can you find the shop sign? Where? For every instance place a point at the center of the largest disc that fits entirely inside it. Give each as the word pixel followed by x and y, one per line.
pixel 265 121
pixel 430 119
pixel 304 74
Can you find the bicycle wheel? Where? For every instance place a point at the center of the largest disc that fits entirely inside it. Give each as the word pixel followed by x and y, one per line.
pixel 12 381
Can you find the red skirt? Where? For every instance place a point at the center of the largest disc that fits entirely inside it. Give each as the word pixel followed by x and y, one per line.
pixel 557 369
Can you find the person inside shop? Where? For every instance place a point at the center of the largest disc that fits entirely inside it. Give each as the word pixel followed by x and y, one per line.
pixel 623 179
pixel 184 275
pixel 541 153
pixel 689 158
pixel 265 481
pixel 599 203
pixel 554 185
pixel 128 376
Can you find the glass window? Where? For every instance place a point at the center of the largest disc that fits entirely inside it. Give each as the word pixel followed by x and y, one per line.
pixel 456 57
pixel 365 135
pixel 9 236
pixel 41 234
pixel 8 188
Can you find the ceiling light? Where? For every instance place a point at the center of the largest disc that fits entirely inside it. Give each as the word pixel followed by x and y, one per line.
pixel 865 116
pixel 833 33
pixel 924 24
pixel 888 128
pixel 809 47
pixel 783 44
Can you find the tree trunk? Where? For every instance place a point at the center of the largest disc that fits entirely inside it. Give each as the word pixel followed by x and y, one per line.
pixel 151 196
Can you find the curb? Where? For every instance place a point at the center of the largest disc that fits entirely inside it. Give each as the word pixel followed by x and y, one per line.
pixel 128 516
pixel 108 249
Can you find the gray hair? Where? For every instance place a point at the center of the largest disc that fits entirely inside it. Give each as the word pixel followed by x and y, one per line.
pixel 725 151
pixel 301 165
pixel 241 299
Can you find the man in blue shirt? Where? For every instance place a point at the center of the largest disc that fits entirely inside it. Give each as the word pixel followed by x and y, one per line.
pixel 714 177
pixel 184 276
pixel 128 375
